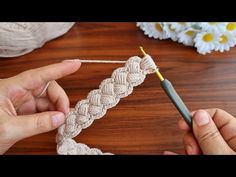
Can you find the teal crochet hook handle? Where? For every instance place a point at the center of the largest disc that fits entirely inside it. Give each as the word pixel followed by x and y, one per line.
pixel 177 101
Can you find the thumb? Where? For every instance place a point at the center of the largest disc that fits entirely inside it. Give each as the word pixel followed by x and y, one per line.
pixel 207 134
pixel 29 125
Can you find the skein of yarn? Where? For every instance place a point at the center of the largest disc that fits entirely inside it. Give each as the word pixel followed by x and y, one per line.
pixel 21 38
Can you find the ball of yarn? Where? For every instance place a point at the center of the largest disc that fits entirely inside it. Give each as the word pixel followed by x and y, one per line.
pixel 21 38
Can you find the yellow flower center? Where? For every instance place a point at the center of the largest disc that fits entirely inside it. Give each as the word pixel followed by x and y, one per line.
pixel 223 39
pixel 158 27
pixel 171 29
pixel 231 26
pixel 208 37
pixel 189 33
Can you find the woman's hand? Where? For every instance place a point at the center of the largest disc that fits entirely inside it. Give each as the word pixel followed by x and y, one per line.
pixel 214 132
pixel 25 111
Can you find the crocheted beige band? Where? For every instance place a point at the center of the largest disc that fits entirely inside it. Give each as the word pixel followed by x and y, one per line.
pixel 108 95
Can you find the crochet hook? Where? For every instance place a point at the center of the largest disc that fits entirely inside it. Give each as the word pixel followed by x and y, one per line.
pixel 173 95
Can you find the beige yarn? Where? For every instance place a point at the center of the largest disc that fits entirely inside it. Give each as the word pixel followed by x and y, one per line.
pixel 94 107
pixel 20 38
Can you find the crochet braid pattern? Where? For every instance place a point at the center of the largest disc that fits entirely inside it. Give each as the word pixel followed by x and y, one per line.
pixel 98 101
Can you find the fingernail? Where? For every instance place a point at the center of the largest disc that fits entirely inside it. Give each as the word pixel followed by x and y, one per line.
pixel 73 60
pixel 189 149
pixel 58 119
pixel 201 118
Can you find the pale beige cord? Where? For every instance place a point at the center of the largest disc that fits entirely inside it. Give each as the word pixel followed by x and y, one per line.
pixel 97 61
pixel 102 61
pixel 44 90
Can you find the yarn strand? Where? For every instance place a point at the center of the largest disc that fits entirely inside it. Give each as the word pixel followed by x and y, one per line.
pixel 97 61
pixel 102 61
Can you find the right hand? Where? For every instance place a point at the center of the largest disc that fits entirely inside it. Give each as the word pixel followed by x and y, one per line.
pixel 213 132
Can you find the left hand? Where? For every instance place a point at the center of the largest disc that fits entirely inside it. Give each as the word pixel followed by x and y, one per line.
pixel 23 113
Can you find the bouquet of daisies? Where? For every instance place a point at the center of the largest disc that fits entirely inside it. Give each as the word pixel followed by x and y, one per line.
pixel 205 36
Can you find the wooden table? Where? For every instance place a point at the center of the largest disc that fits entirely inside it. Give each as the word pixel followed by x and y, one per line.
pixel 144 122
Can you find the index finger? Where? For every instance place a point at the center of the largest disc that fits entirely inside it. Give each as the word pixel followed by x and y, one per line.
pixel 220 117
pixel 34 78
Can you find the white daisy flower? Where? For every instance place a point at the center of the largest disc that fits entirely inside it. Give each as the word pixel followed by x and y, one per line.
pixel 186 37
pixel 140 25
pixel 231 27
pixel 170 32
pixel 205 36
pixel 191 25
pixel 226 40
pixel 178 26
pixel 212 26
pixel 205 42
pixel 154 30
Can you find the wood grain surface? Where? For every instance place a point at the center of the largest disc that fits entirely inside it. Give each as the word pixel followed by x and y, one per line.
pixel 144 122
